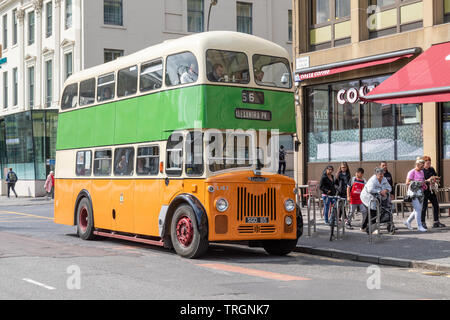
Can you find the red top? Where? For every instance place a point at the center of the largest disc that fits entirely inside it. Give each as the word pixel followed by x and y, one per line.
pixel 53 180
pixel 357 186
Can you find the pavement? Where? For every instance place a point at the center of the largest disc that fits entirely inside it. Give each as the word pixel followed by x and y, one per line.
pixel 406 248
pixel 409 249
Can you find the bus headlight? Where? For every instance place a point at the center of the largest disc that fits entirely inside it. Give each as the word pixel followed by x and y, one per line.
pixel 288 220
pixel 289 205
pixel 222 205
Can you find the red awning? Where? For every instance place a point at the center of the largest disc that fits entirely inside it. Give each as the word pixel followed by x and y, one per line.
pixel 339 67
pixel 425 79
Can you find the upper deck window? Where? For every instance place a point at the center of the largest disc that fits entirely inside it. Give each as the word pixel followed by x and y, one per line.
pixel 106 87
pixel 181 68
pixel 151 75
pixel 87 92
pixel 227 66
pixel 70 96
pixel 127 81
pixel 272 71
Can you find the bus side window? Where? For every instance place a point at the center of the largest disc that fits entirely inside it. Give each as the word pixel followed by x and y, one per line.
pixel 123 161
pixel 127 81
pixel 87 92
pixel 147 161
pixel 194 154
pixel 84 162
pixel 151 76
pixel 70 97
pixel 174 161
pixel 181 68
pixel 106 87
pixel 102 162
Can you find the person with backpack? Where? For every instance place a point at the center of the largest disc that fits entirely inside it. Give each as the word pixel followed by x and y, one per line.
pixel 11 180
pixel 282 160
pixel 354 190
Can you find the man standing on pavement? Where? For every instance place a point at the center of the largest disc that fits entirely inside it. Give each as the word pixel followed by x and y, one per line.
pixel 387 174
pixel 11 179
pixel 282 161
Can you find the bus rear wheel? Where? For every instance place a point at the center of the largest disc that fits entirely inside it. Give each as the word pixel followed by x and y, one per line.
pixel 279 247
pixel 85 220
pixel 186 238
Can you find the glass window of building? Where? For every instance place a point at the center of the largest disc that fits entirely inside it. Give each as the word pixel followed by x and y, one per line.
pixel 49 19
pixel 227 66
pixel 244 17
pixel 31 28
pixel 339 130
pixel 112 54
pixel 84 163
pixel 289 25
pixel 5 31
pixel 49 83
pixel 70 97
pixel 151 75
pixel 102 162
pixel 272 71
pixel 14 26
pixel 195 16
pixel 31 87
pixel 68 14
pixel 147 161
pixel 445 130
pixel 446 10
pixel 113 12
pixel 68 64
pixel 181 68
pixel 5 89
pixel 330 23
pixel 393 16
pixel 124 161
pixel 106 87
pixel 127 81
pixel 87 92
pixel 15 87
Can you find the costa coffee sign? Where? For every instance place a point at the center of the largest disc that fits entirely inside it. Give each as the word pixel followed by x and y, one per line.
pixel 353 95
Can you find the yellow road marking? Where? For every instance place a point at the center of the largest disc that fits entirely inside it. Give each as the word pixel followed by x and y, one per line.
pixel 26 215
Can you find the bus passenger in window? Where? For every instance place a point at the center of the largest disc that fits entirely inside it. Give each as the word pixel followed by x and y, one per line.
pixel 141 168
pixel 106 94
pixel 190 75
pixel 217 74
pixel 259 75
pixel 122 166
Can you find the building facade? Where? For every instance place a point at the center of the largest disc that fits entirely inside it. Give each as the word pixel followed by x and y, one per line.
pixel 46 41
pixel 342 50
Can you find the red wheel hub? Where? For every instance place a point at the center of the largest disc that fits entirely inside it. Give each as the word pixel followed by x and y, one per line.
pixel 83 219
pixel 185 231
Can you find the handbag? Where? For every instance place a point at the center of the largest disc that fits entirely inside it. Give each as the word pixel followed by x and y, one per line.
pixel 407 199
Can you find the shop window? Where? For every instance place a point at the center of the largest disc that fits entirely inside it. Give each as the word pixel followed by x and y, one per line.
pixel 102 162
pixel 123 161
pixel 330 23
pixel 106 87
pixel 147 161
pixel 87 92
pixel 127 81
pixel 84 163
pixel 318 123
pixel 446 130
pixel 181 68
pixel 409 138
pixel 393 16
pixel 151 76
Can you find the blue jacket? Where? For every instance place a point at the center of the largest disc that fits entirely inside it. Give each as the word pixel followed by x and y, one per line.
pixel 8 179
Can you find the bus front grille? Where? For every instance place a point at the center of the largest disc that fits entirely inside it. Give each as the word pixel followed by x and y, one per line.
pixel 251 205
pixel 250 229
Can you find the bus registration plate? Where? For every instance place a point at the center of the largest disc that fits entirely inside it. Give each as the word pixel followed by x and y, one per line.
pixel 256 220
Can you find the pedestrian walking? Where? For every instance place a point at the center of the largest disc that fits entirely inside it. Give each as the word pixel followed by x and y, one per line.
pixel 354 190
pixel 342 181
pixel 432 181
pixel 415 180
pixel 282 160
pixel 49 185
pixel 328 187
pixel 11 180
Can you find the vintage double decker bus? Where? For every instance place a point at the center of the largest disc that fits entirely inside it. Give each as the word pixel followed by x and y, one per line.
pixel 134 158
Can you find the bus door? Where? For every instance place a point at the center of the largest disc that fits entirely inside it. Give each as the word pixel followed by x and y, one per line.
pixel 122 191
pixel 173 182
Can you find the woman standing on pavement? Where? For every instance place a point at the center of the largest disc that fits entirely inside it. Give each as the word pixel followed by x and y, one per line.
pixel 328 188
pixel 49 185
pixel 415 181
pixel 431 178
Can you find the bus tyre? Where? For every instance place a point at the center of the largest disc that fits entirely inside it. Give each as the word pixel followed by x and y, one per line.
pixel 186 238
pixel 85 220
pixel 279 247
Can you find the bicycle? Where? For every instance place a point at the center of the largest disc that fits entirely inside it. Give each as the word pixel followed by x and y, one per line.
pixel 334 219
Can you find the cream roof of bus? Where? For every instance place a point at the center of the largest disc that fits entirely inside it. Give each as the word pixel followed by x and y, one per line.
pixel 196 43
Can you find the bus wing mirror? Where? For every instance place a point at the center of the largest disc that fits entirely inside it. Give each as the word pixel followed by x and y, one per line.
pixel 297 145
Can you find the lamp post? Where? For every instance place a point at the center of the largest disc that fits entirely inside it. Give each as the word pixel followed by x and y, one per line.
pixel 213 3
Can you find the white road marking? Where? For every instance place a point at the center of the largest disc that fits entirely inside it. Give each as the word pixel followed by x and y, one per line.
pixel 38 284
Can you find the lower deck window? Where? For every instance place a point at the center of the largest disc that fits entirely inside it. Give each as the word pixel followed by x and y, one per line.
pixel 84 160
pixel 102 162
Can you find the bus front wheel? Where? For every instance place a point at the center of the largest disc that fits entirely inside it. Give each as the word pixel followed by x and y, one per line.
pixel 85 220
pixel 186 238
